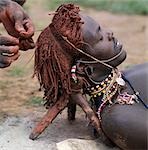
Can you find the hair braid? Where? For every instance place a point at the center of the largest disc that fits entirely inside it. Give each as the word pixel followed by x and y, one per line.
pixel 53 56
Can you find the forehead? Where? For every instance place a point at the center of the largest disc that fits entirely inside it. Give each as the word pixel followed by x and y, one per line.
pixel 89 28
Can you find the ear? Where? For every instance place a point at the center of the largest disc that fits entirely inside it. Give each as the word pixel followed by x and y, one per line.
pixel 80 68
pixel 88 70
pixel 84 69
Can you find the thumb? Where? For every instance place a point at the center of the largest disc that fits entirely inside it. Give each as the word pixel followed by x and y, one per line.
pixel 19 26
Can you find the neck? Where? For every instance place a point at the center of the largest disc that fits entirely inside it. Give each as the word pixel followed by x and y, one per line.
pixel 100 72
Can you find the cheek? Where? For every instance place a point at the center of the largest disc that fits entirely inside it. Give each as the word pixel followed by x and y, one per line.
pixel 104 50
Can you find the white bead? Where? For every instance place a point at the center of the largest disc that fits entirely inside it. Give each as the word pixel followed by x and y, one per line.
pixel 120 81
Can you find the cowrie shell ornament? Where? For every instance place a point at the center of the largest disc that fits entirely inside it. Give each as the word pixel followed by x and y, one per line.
pixel 120 81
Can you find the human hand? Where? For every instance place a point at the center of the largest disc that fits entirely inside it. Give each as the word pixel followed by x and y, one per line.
pixel 9 50
pixel 16 21
pixel 25 44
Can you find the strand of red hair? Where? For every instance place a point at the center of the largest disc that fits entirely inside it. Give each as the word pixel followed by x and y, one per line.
pixel 54 56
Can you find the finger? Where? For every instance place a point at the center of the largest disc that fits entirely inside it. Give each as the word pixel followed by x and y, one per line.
pixel 9 26
pixel 13 58
pixel 26 44
pixel 5 61
pixel 8 40
pixel 19 22
pixel 23 24
pixel 2 65
pixel 29 29
pixel 19 26
pixel 6 50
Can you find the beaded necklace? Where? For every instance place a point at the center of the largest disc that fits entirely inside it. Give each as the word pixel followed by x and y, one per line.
pixel 100 88
pixel 107 89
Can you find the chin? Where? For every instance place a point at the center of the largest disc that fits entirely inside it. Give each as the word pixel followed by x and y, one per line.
pixel 123 56
pixel 119 60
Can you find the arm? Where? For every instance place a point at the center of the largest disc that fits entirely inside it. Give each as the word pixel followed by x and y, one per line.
pixel 81 100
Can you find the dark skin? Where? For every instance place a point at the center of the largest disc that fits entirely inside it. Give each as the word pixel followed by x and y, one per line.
pixel 20 28
pixel 9 50
pixel 125 125
pixel 121 123
pixel 101 43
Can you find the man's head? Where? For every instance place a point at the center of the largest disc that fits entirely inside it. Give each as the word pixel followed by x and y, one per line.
pixel 20 2
pixel 85 33
pixel 101 43
pixel 57 49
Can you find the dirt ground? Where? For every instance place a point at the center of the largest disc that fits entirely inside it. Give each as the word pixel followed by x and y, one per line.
pixel 20 95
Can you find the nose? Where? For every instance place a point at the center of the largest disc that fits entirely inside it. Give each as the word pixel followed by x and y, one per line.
pixel 110 35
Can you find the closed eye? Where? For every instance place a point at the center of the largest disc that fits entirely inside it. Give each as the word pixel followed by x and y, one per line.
pixel 100 37
pixel 99 28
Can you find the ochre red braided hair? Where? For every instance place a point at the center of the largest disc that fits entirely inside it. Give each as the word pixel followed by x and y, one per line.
pixel 54 56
